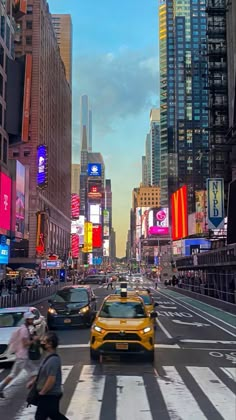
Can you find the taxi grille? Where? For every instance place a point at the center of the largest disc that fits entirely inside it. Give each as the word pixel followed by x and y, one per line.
pixel 122 336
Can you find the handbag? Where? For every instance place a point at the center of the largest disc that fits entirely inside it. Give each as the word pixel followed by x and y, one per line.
pixel 34 352
pixel 33 395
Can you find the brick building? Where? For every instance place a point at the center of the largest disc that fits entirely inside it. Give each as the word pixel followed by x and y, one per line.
pixel 50 126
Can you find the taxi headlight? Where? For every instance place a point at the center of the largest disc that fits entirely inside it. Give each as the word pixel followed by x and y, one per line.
pixel 147 329
pixel 52 311
pixel 97 328
pixel 84 310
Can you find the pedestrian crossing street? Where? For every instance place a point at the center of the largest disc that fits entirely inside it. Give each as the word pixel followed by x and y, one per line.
pixel 182 393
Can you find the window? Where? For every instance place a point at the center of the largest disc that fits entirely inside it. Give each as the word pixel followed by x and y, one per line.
pixel 29 24
pixel 5 151
pixel 29 40
pixel 26 153
pixel 29 9
pixel 1 56
pixel 1 85
pixel 16 154
pixel 3 27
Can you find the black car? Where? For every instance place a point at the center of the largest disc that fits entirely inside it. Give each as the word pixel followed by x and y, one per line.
pixel 72 306
pixel 94 279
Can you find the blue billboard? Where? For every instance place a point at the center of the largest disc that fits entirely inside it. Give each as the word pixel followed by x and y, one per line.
pixel 94 169
pixel 42 165
pixel 4 254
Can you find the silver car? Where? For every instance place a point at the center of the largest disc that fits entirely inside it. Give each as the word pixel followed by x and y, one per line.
pixel 10 320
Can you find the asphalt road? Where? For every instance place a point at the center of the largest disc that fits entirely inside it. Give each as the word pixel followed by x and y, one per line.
pixel 193 376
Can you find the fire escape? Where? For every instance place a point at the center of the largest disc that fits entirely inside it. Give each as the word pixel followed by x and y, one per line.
pixel 218 89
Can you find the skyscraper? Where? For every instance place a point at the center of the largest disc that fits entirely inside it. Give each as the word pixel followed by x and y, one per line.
pixel 183 97
pixel 155 146
pixel 86 120
pixel 63 29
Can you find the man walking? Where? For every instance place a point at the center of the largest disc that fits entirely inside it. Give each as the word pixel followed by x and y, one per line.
pixel 19 344
pixel 109 283
pixel 48 382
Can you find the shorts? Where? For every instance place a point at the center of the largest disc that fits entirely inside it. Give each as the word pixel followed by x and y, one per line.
pixel 26 364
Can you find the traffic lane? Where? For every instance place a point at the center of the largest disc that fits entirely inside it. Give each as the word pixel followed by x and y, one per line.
pixel 163 357
pixel 74 335
pixel 181 322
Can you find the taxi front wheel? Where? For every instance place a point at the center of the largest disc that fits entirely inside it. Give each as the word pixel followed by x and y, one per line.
pixel 94 355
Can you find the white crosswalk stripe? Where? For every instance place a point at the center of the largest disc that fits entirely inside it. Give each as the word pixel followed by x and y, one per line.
pixel 131 393
pixel 221 397
pixel 28 413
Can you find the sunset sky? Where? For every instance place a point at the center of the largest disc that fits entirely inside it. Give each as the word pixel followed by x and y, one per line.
pixel 115 62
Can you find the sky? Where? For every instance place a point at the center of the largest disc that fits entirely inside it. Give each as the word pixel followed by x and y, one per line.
pixel 115 62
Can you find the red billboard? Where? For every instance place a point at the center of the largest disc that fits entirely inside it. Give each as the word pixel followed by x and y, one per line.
pixel 19 8
pixel 179 210
pixel 94 192
pixel 27 97
pixel 5 201
pixel 75 245
pixel 75 206
pixel 97 236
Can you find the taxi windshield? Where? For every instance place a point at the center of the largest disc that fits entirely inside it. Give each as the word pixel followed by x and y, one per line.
pixel 122 310
pixel 146 298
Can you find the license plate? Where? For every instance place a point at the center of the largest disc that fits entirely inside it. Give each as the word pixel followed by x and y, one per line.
pixel 122 346
pixel 67 321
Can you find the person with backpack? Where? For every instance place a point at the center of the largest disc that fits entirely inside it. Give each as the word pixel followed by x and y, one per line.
pixel 47 386
pixel 20 343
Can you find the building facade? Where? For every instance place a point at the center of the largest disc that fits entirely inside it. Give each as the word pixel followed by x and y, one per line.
pixel 63 29
pixel 86 121
pixel 155 146
pixel 146 196
pixel 183 97
pixel 75 178
pixel 47 151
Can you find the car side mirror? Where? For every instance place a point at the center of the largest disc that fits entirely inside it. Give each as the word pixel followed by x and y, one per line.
pixel 153 315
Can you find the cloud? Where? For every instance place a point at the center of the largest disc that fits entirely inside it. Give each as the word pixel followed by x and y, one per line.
pixel 119 84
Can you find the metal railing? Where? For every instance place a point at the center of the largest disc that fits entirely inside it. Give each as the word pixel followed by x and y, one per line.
pixel 29 297
pixel 210 291
pixel 221 256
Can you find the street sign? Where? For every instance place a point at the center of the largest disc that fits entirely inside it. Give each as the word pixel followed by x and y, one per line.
pixel 215 203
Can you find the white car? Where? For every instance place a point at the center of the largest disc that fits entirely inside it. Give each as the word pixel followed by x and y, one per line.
pixel 10 320
pixel 137 277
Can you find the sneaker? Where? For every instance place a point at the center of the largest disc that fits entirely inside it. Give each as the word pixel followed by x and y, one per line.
pixel 2 394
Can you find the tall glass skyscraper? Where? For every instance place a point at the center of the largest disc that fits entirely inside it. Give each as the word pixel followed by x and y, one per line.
pixel 183 97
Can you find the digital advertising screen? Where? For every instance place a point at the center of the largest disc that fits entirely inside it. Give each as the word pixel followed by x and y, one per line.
pixel 94 169
pixel 20 200
pixel 75 245
pixel 179 210
pixel 95 213
pixel 5 201
pixel 158 221
pixel 77 226
pixel 97 236
pixel 75 206
pixel 42 172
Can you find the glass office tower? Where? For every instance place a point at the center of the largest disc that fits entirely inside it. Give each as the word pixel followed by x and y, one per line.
pixel 183 97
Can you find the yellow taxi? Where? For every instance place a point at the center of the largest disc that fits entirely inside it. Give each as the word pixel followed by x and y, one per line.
pixel 123 326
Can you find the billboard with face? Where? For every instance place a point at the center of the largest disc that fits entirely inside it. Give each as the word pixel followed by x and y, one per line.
pixel 77 226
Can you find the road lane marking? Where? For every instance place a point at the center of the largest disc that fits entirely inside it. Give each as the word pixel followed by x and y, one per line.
pixel 132 401
pixel 230 372
pixel 28 413
pixel 168 335
pixel 222 398
pixel 179 401
pixel 201 316
pixel 207 313
pixel 207 341
pixel 81 346
pixel 86 401
pixel 194 324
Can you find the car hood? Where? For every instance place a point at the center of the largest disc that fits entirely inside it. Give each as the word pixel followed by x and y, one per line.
pixel 6 333
pixel 122 324
pixel 69 306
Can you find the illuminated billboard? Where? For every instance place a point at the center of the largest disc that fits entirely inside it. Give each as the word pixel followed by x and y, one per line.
pixel 106 248
pixel 97 236
pixel 20 200
pixel 179 211
pixel 215 203
pixel 106 230
pixel 75 245
pixel 95 213
pixel 94 169
pixel 106 216
pixel 75 206
pixel 77 226
pixel 158 221
pixel 200 215
pixel 5 201
pixel 26 98
pixel 94 192
pixel 42 170
pixel 88 237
